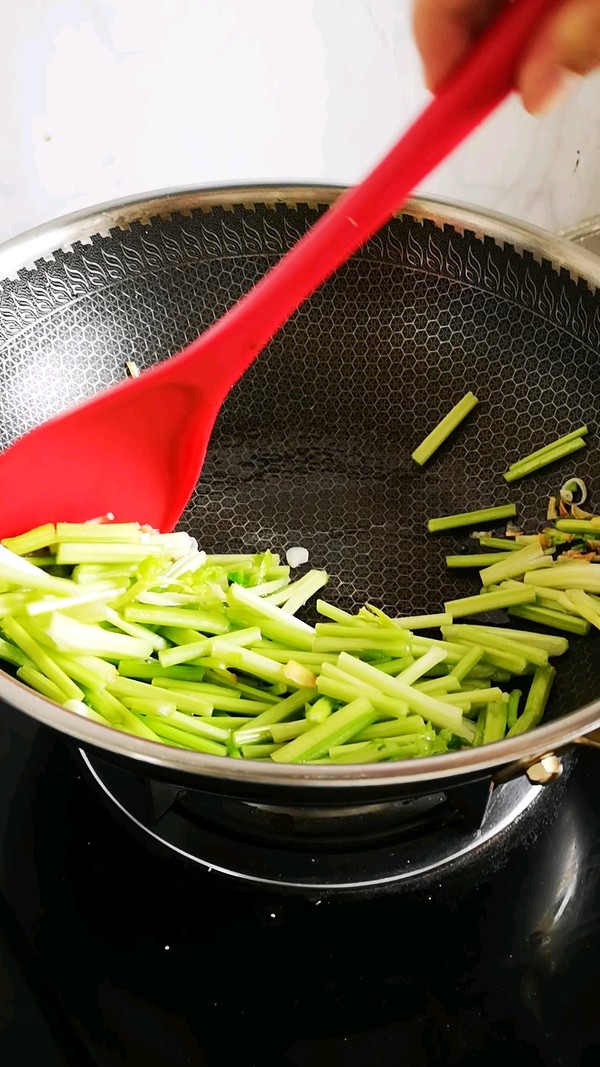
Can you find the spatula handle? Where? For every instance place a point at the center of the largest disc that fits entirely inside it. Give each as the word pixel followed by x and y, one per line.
pixel 471 94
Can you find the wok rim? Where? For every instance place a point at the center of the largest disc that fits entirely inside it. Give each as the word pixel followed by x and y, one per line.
pixel 21 253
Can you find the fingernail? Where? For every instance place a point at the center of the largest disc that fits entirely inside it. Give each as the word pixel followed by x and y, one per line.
pixel 547 90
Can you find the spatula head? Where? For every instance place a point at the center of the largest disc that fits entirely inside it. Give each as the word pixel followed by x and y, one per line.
pixel 135 451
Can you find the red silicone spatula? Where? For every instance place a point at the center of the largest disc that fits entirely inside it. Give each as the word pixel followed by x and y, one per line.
pixel 137 450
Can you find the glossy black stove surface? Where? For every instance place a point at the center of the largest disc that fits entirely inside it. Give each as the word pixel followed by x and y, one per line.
pixel 110 955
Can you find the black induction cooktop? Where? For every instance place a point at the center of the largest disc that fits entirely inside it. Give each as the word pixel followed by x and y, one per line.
pixel 116 951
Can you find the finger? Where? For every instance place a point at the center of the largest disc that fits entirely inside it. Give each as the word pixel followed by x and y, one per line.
pixel 569 44
pixel 445 30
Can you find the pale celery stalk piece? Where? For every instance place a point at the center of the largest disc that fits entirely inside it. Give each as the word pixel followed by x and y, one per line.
pixel 476 559
pixel 472 518
pixel 106 552
pixel 69 635
pixel 535 704
pixel 438 713
pixel 420 667
pixel 340 727
pixel 497 642
pixel 442 431
pixel 32 541
pixel 133 629
pixel 41 659
pixel 83 532
pixel 38 681
pixel 294 595
pixel 568 576
pixel 514 565
pixel 470 660
pixel 273 622
pixel 281 712
pixel 581 431
pixel 18 571
pixel 475 605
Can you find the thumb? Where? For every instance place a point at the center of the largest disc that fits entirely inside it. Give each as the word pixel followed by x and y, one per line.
pixel 569 44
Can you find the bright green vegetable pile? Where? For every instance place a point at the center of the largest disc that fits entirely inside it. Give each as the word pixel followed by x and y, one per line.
pixel 143 632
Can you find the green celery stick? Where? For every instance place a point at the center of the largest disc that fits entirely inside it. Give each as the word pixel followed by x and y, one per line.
pixel 361 644
pixel 405 728
pixel 284 655
pixel 259 751
pixel 205 621
pixel 12 654
pixel 554 646
pixel 90 672
pixel 377 751
pixel 294 596
pixel 96 531
pixel 581 431
pixel 135 630
pixel 320 710
pixel 32 541
pixel 489 695
pixel 477 559
pixel 36 680
pixel 446 684
pixel 558 620
pixel 253 691
pixel 585 606
pixel 287 731
pixel 41 659
pixel 535 705
pixel 420 667
pixel 515 564
pixel 439 714
pixel 142 669
pixel 266 588
pixel 15 570
pixel 475 605
pixel 512 708
pixel 396 666
pixel 337 615
pixel 584 526
pixel 86 573
pixel 555 599
pixel 106 552
pixel 495 722
pixel 341 726
pixel 144 706
pixel 480 728
pixel 368 631
pixel 463 632
pixel 502 544
pixel 532 465
pixel 422 622
pixel 111 709
pixel 242 659
pixel 465 665
pixel 12 603
pixel 192 724
pixel 69 635
pixel 346 689
pixel 281 712
pixel 184 701
pixel 472 518
pixel 421 645
pixel 167 732
pixel 45 605
pixel 273 622
pixel 442 431
pixel 569 575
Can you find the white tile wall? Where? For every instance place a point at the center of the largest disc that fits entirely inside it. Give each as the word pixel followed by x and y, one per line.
pixel 102 98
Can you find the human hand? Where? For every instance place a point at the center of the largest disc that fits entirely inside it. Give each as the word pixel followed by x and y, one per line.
pixel 567 44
